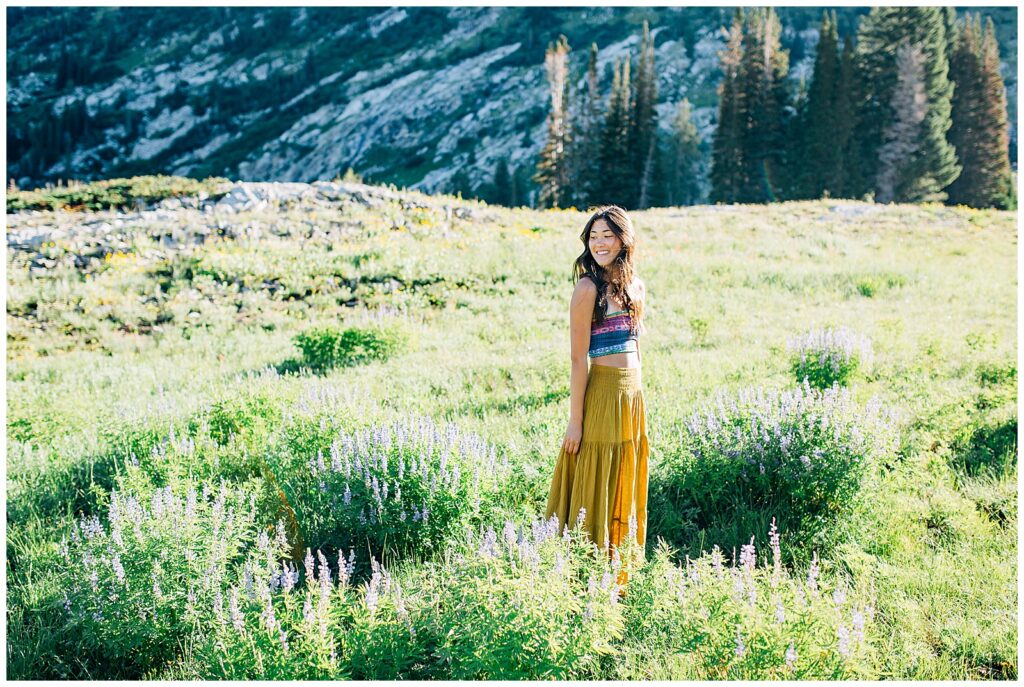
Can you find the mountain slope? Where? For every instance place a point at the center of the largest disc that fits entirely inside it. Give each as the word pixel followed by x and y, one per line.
pixel 405 95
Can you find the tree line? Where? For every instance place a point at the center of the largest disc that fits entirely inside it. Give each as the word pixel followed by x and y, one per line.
pixel 912 108
pixel 615 153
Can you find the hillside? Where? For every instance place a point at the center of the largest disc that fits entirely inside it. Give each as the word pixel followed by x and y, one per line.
pixel 174 443
pixel 402 95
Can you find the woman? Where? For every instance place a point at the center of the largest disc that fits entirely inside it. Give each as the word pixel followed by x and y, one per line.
pixel 602 466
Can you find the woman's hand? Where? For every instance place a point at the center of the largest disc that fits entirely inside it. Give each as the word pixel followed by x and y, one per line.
pixel 573 437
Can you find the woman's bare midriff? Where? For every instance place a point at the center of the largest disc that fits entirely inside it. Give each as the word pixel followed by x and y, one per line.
pixel 629 359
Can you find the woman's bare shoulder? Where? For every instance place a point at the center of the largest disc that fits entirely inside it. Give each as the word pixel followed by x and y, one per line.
pixel 585 291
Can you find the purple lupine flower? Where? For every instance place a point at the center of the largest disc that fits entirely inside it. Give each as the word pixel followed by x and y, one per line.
pixel 780 612
pixel 489 545
pixel 267 616
pixel 858 625
pixel 716 561
pixel 790 656
pixel 508 535
pixel 740 648
pixel 838 596
pixel 237 619
pixel 283 637
pixel 738 586
pixel 218 607
pixel 812 573
pixel 748 555
pixel 307 610
pixel 844 640
pixel 118 568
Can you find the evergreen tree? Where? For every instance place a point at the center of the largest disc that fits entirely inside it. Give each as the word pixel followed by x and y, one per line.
pixel 820 167
pixel 616 164
pixel 502 193
pixel 902 136
pixel 846 94
pixel 762 108
pixel 552 169
pixel 1001 191
pixel 684 168
pixel 884 27
pixel 644 133
pixel 979 131
pixel 586 143
pixel 727 150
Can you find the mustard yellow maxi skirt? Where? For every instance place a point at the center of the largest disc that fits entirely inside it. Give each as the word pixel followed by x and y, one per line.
pixel 608 475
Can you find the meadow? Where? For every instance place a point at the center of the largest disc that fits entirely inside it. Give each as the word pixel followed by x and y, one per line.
pixel 310 435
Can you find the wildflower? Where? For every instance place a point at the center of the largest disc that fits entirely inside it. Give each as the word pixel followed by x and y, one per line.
pixel 844 640
pixel 283 637
pixel 67 603
pixel 812 573
pixel 748 555
pixel 307 610
pixel 218 606
pixel 489 545
pixel 790 656
pixel 118 568
pixel 235 612
pixel 780 612
pixel 858 625
pixel 740 648
pixel 838 596
pixel 267 616
pixel 716 561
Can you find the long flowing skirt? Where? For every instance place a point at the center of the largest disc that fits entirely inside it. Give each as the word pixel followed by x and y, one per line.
pixel 607 477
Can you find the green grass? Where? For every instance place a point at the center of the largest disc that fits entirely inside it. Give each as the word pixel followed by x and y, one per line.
pixel 92 362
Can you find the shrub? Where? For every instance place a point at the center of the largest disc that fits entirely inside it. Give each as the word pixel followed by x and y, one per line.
pixel 114 193
pixel 525 604
pixel 710 619
pixel 828 356
pixel 326 347
pixel 136 588
pixel 801 453
pixel 400 488
pixel 986 445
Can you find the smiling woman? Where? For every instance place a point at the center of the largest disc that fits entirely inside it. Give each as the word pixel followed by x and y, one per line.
pixel 600 476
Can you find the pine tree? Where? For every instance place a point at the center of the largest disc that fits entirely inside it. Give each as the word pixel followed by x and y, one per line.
pixel 980 130
pixel 616 164
pixel 727 150
pixel 821 159
pixel 502 184
pixel 845 118
pixel 1002 191
pixel 683 187
pixel 645 126
pixel 965 72
pixel 586 144
pixel 935 163
pixel 902 136
pixel 552 169
pixel 762 84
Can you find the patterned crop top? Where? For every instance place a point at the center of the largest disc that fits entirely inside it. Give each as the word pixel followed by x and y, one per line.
pixel 612 335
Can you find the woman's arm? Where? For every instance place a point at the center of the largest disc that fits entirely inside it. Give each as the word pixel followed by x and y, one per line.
pixel 581 310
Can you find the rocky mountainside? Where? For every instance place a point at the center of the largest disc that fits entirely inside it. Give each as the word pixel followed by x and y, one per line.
pixel 404 95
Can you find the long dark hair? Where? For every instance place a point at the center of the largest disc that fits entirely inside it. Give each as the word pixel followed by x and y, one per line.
pixel 619 279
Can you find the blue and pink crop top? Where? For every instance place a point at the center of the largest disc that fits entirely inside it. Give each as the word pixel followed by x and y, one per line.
pixel 612 335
